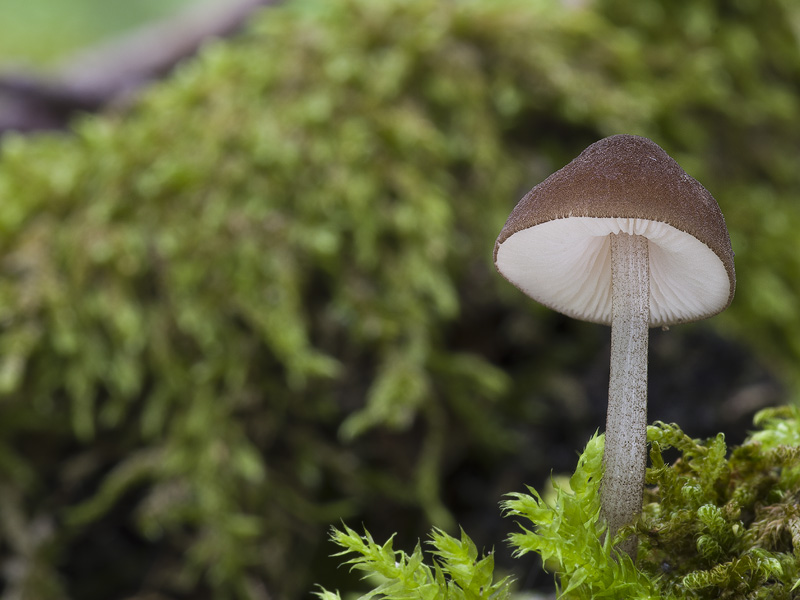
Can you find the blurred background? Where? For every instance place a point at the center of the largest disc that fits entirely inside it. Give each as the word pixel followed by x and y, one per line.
pixel 45 32
pixel 246 288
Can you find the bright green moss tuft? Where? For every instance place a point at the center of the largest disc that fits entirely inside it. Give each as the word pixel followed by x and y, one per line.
pixel 715 525
pixel 456 572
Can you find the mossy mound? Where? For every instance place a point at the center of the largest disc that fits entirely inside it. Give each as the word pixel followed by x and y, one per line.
pixel 714 525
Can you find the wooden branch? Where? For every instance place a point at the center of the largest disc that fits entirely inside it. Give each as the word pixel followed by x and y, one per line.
pixel 112 72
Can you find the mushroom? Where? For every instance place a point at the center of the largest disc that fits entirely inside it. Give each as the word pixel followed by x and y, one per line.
pixel 621 236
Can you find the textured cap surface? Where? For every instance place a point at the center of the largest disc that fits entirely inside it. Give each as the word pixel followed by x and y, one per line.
pixel 555 246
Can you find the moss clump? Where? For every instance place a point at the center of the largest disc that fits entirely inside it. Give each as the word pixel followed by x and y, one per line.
pixel 719 526
pixel 715 525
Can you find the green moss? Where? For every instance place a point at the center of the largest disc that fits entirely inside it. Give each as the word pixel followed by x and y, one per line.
pixel 457 572
pixel 569 535
pixel 714 525
pixel 721 526
pixel 217 304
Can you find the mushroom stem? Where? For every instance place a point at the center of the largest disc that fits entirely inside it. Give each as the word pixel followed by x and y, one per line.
pixel 625 453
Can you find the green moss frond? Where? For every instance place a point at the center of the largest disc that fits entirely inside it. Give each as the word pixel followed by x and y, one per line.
pixel 568 534
pixel 716 524
pixel 457 571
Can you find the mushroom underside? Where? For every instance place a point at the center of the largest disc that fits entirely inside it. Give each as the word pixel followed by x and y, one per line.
pixel 565 264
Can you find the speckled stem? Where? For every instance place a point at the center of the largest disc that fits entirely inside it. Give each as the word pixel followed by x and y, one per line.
pixel 626 422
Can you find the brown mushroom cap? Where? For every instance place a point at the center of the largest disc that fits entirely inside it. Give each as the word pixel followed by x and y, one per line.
pixel 555 245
